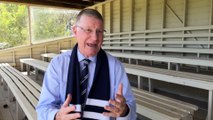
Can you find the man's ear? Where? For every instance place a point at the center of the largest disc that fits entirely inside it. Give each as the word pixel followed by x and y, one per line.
pixel 74 29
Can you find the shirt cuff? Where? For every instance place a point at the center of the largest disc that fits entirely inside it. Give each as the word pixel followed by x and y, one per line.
pixel 53 114
pixel 127 117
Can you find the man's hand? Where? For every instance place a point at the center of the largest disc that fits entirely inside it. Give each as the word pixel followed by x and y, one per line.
pixel 119 107
pixel 64 112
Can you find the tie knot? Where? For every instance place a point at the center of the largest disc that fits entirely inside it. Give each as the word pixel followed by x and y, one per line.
pixel 86 61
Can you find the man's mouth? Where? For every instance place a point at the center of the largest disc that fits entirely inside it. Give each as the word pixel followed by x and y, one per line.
pixel 91 45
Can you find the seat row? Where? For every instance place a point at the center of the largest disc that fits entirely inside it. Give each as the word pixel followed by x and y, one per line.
pixel 157 108
pixel 144 104
pixel 24 89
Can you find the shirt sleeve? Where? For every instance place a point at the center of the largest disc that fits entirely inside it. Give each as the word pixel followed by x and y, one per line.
pixel 49 101
pixel 121 77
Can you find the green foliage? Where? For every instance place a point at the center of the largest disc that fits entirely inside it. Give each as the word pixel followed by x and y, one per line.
pixel 46 24
pixel 13 24
pixel 51 23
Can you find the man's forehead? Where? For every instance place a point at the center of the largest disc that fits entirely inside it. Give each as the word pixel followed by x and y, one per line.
pixel 89 16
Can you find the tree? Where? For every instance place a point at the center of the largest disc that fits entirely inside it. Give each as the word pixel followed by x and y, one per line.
pixel 13 24
pixel 46 23
pixel 51 23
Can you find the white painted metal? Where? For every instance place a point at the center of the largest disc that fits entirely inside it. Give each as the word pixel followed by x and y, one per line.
pixel 24 92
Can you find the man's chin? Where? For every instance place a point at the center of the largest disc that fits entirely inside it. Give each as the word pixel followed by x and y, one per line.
pixel 91 54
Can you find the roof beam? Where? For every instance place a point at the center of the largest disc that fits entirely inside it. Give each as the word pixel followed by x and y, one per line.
pixel 77 4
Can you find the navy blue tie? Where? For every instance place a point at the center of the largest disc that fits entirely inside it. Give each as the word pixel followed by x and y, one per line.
pixel 84 81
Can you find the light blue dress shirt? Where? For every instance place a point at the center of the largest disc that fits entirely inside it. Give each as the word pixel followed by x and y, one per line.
pixel 55 82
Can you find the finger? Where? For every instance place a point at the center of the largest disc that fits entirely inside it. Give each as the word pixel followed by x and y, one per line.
pixel 120 98
pixel 110 114
pixel 67 101
pixel 112 109
pixel 69 109
pixel 74 116
pixel 119 92
pixel 120 89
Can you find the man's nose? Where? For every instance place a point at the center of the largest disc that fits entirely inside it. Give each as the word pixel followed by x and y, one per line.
pixel 94 35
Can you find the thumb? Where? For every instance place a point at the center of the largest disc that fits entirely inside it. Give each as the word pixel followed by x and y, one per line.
pixel 120 89
pixel 67 101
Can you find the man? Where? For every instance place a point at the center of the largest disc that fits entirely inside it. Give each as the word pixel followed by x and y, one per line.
pixel 102 93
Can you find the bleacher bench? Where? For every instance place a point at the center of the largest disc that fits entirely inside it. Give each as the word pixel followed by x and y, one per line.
pixel 158 107
pixel 45 69
pixel 36 64
pixel 65 50
pixel 48 56
pixel 204 82
pixel 24 89
pixel 166 59
pixel 160 49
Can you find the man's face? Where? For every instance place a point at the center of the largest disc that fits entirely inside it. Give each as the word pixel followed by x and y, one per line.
pixel 89 34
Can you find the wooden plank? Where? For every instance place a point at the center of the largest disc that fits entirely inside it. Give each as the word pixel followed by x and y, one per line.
pixel 171 72
pixel 160 49
pixel 22 87
pixel 37 64
pixel 162 107
pixel 158 42
pixel 171 76
pixel 167 100
pixel 49 55
pixel 63 51
pixel 150 112
pixel 168 59
pixel 156 111
pixel 20 75
pixel 26 106
pixel 165 36
pixel 204 82
pixel 41 65
pixel 190 111
pixel 29 86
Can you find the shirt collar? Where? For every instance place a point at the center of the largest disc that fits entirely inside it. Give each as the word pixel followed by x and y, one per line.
pixel 81 57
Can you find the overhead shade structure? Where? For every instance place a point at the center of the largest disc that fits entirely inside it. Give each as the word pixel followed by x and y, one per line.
pixel 78 4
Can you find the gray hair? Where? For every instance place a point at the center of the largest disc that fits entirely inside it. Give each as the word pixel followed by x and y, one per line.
pixel 89 12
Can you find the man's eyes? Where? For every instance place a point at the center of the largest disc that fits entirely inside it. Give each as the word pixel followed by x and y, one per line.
pixel 99 31
pixel 88 30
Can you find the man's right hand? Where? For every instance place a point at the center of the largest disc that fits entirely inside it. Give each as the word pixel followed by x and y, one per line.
pixel 65 111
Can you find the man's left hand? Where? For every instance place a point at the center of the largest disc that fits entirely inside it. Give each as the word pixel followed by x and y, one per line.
pixel 118 106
